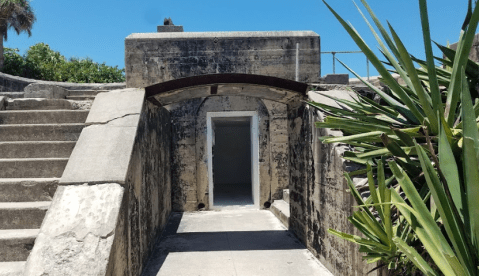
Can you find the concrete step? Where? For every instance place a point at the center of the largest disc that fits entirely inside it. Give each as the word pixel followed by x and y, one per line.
pixel 12 268
pixel 16 244
pixel 81 97
pixel 38 104
pixel 43 116
pixel 23 215
pixel 281 210
pixel 286 195
pixel 36 149
pixel 12 95
pixel 85 92
pixel 27 189
pixel 41 132
pixel 32 167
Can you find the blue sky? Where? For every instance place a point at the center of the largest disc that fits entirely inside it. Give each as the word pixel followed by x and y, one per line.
pixel 97 29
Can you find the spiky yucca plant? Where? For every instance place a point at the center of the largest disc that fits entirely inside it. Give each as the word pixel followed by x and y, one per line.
pixel 398 141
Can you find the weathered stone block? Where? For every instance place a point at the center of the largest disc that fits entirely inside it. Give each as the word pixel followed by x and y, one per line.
pixel 169 28
pixel 77 232
pixel 44 90
pixel 336 79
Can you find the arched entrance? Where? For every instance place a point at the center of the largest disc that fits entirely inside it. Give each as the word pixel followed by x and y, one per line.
pixel 211 175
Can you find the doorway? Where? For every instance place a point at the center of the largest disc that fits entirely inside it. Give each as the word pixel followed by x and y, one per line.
pixel 233 159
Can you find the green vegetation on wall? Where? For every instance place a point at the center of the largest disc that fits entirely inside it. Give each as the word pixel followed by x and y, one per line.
pixel 420 147
pixel 42 63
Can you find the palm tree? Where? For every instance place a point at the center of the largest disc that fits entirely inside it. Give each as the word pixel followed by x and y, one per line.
pixel 15 14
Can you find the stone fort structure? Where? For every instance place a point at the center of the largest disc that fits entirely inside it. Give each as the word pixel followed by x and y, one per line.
pixel 163 142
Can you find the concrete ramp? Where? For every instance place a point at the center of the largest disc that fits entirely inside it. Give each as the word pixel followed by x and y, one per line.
pixel 232 242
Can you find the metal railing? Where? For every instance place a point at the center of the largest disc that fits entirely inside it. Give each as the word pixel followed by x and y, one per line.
pixel 345 52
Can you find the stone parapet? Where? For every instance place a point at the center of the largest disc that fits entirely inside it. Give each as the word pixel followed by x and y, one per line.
pixel 152 58
pixel 10 83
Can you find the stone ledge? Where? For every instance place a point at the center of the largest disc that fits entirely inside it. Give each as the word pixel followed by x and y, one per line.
pixel 103 151
pixel 280 209
pixel 254 34
pixel 101 155
pixel 116 104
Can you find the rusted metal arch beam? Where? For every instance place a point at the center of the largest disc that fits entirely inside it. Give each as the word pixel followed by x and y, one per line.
pixel 216 79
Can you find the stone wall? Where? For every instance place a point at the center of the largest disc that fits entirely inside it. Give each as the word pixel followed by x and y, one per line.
pixel 474 53
pixel 189 147
pixel 114 195
pixel 319 193
pixel 9 83
pixel 158 57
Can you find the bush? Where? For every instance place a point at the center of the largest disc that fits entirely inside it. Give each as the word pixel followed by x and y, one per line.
pixel 42 63
pixel 421 152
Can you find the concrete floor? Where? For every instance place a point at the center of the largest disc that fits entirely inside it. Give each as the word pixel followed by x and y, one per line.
pixel 230 242
pixel 233 194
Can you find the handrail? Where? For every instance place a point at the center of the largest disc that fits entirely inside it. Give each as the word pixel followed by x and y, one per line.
pixel 345 52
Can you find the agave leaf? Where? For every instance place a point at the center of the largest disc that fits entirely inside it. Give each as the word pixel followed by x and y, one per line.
pixel 406 139
pixel 352 125
pixel 462 56
pixel 386 97
pixel 470 160
pixel 449 167
pixel 423 223
pixel 357 221
pixel 431 67
pixel 472 68
pixel 450 216
pixel 356 137
pixel 385 50
pixel 374 192
pixel 358 240
pixel 415 257
pixel 351 114
pixel 416 115
pixel 393 147
pixel 419 90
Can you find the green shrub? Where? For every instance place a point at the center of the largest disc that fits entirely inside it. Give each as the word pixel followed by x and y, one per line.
pixel 421 144
pixel 14 63
pixel 42 63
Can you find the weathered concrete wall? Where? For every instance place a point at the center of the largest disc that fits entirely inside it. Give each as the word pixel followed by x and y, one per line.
pixel 147 195
pixel 9 83
pixel 189 147
pixel 114 197
pixel 474 53
pixel 318 193
pixel 158 57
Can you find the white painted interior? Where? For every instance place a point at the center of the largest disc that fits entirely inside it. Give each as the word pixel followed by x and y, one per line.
pixel 253 117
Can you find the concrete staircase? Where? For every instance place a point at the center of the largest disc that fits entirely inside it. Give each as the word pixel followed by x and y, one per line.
pixel 37 137
pixel 77 95
pixel 82 95
pixel 280 208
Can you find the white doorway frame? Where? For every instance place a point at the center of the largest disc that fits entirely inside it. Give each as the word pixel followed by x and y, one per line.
pixel 253 117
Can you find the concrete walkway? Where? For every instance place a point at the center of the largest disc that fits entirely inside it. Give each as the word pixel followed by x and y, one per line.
pixel 230 242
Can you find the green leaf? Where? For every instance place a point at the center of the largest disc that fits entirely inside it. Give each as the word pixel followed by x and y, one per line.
pixel 470 160
pixel 417 259
pixel 416 115
pixel 418 89
pixel 462 55
pixel 423 223
pixel 431 67
pixel 450 216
